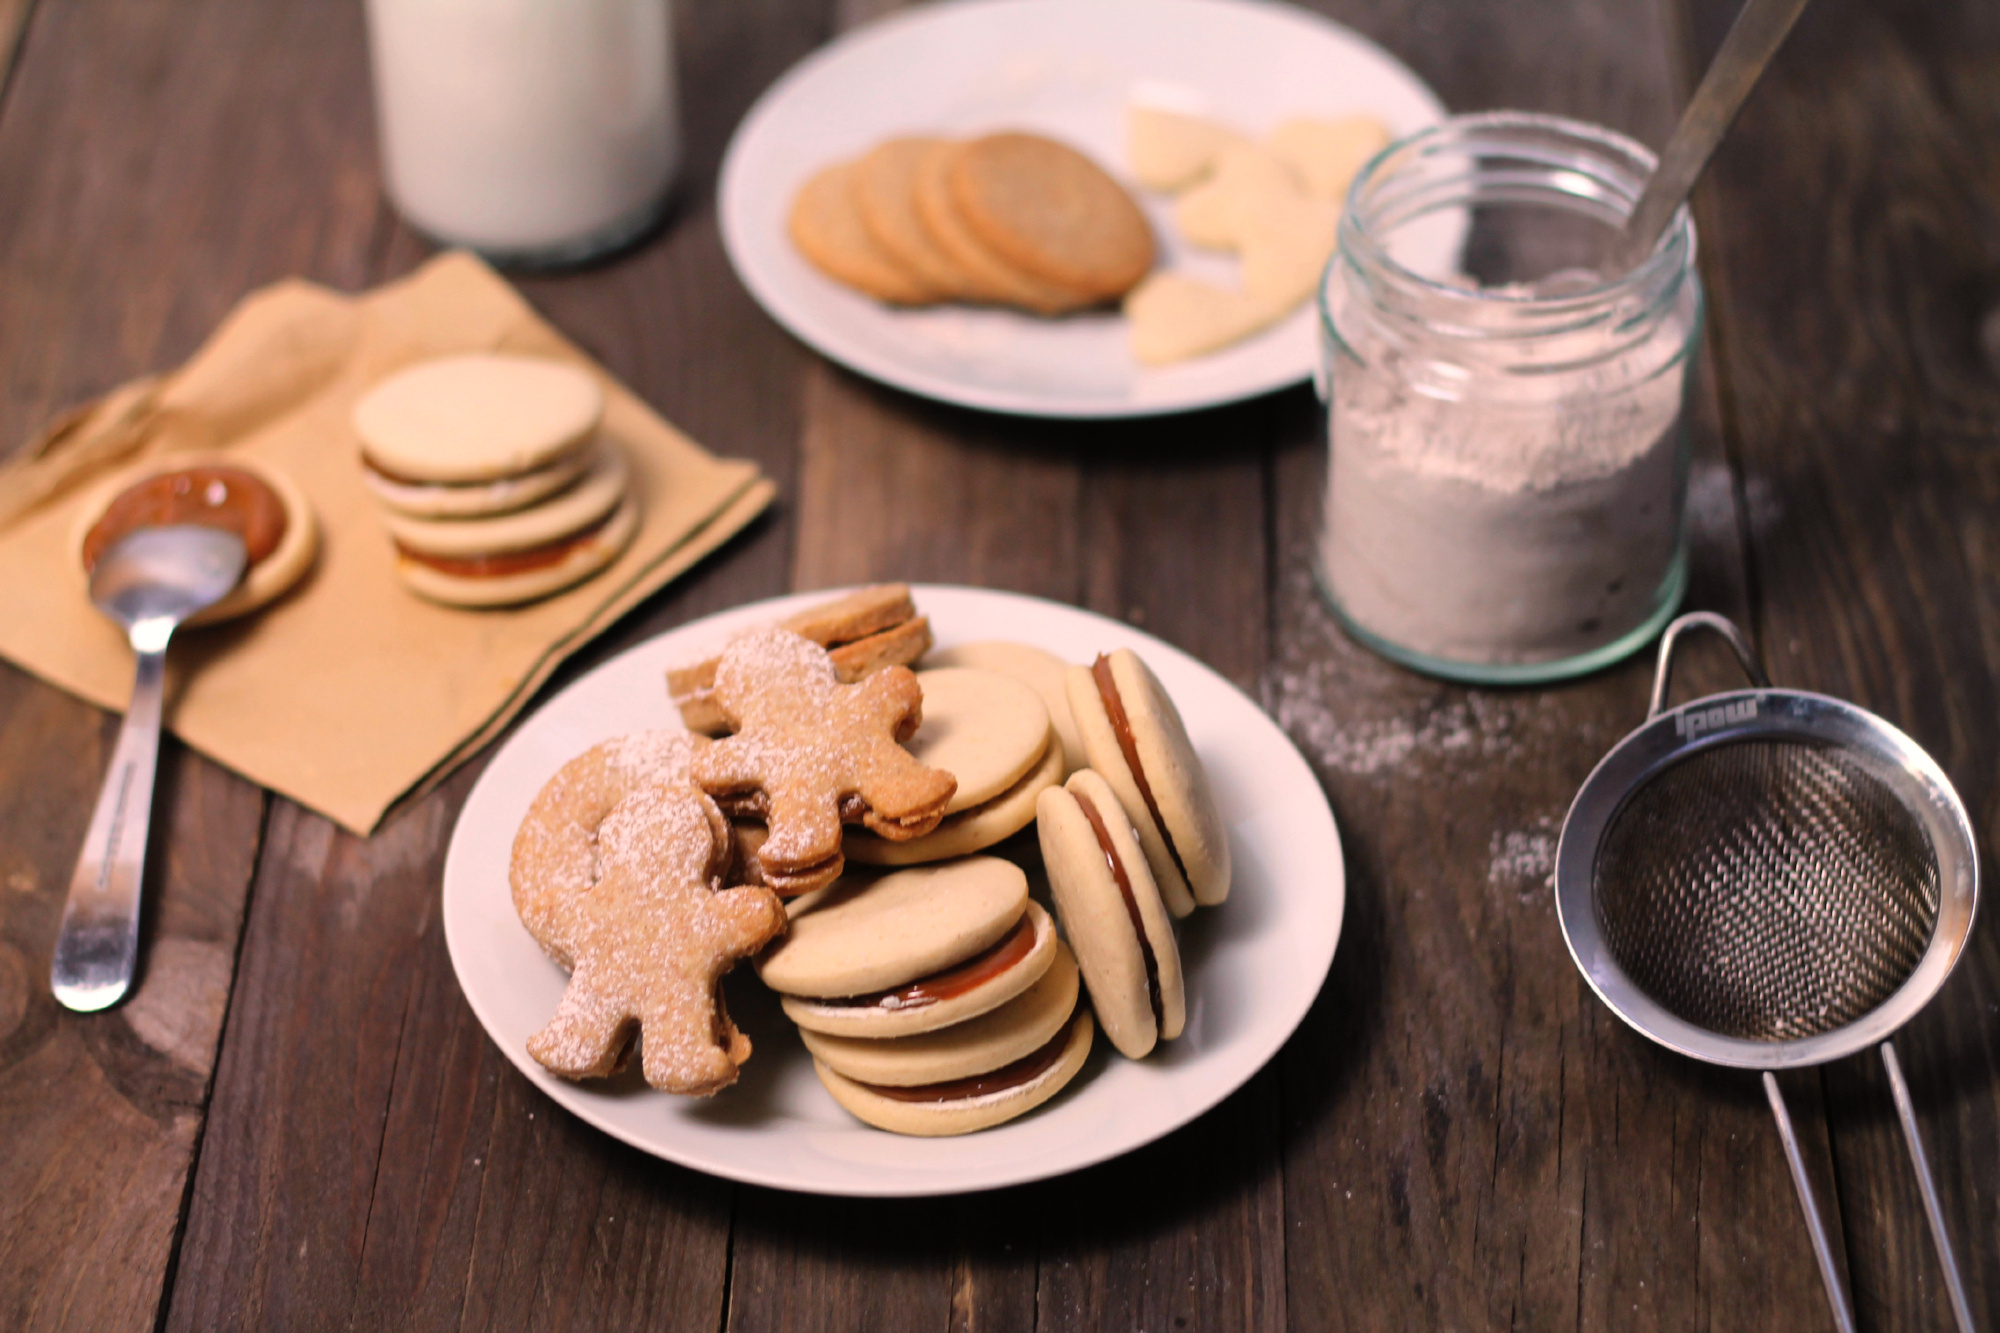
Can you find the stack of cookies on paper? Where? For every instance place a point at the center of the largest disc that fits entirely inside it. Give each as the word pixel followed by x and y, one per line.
pixel 1008 219
pixel 1274 203
pixel 496 484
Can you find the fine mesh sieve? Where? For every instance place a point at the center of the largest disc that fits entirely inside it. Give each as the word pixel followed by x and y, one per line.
pixel 1770 879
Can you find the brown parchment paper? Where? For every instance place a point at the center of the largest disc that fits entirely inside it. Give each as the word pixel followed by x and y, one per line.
pixel 350 691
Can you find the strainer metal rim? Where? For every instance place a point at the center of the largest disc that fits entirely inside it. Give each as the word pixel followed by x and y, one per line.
pixel 1764 714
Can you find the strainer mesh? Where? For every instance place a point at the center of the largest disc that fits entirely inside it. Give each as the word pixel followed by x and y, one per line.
pixel 1766 889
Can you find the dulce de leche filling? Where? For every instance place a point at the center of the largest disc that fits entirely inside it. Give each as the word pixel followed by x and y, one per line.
pixel 1114 707
pixel 1131 907
pixel 953 982
pixel 228 498
pixel 502 563
pixel 1022 1071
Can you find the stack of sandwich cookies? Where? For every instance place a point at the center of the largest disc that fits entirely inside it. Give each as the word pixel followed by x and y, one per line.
pixel 496 485
pixel 1136 740
pixel 992 733
pixel 1112 913
pixel 935 1000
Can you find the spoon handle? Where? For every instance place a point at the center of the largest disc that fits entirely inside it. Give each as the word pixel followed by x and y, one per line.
pixel 97 947
pixel 1755 37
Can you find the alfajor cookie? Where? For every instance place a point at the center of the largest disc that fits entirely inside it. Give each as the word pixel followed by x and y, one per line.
pixel 1040 670
pixel 978 1045
pixel 1135 738
pixel 863 935
pixel 516 557
pixel 476 418
pixel 985 980
pixel 1112 915
pixel 970 830
pixel 962 1106
pixel 231 491
pixel 983 728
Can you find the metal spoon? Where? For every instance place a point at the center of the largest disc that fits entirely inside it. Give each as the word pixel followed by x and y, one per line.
pixel 149 582
pixel 1755 37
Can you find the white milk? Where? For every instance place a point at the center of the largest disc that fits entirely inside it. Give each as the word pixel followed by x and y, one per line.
pixel 538 130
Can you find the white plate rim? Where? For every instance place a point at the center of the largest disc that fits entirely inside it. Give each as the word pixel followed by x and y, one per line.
pixel 1318 841
pixel 740 223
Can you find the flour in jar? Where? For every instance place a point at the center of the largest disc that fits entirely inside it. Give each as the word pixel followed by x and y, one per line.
pixel 1524 526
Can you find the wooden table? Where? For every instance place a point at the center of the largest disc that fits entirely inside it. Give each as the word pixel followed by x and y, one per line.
pixel 297 1122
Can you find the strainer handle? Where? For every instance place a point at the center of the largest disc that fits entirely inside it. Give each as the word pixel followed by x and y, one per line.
pixel 1836 1291
pixel 1954 1285
pixel 1663 675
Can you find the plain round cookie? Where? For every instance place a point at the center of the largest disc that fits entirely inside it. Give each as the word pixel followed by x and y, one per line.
pixel 860 936
pixel 1052 213
pixel 479 499
pixel 262 582
pixel 1001 281
pixel 477 416
pixel 967 831
pixel 885 192
pixel 1098 919
pixel 589 501
pixel 902 1010
pixel 825 224
pixel 1038 669
pixel 985 729
pixel 1000 1036
pixel 964 1115
pixel 588 556
pixel 1187 846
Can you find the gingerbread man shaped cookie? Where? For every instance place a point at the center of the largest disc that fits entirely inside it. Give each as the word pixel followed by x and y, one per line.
pixel 614 873
pixel 810 752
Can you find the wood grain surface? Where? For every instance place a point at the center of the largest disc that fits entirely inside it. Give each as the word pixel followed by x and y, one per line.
pixel 298 1123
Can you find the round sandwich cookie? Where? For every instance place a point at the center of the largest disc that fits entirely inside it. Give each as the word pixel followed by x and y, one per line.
pixel 1134 737
pixel 1112 914
pixel 985 729
pixel 978 985
pixel 231 491
pixel 479 499
pixel 861 935
pixel 476 417
pixel 1037 668
pixel 970 830
pixel 512 558
pixel 978 1045
pixel 962 1106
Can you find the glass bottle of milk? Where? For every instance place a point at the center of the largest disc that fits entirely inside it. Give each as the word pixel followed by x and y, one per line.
pixel 536 132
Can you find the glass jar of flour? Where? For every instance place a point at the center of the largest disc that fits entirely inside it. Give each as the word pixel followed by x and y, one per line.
pixel 1508 462
pixel 537 132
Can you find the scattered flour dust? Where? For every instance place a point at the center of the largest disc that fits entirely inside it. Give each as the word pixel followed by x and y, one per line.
pixel 1523 858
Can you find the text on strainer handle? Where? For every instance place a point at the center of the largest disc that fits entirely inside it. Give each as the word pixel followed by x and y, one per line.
pixel 1664 673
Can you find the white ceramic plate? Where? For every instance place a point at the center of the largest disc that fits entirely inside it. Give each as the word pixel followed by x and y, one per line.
pixel 1065 68
pixel 1253 964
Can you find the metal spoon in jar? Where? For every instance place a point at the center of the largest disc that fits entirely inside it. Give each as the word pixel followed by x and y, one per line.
pixel 149 582
pixel 1760 29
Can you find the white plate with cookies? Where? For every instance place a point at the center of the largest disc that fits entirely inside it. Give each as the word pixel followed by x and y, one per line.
pixel 1068 70
pixel 1252 964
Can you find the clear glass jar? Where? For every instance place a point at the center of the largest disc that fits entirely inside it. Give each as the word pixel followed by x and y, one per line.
pixel 1507 472
pixel 537 132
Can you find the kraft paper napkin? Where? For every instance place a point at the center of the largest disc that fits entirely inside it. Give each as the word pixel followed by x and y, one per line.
pixel 350 691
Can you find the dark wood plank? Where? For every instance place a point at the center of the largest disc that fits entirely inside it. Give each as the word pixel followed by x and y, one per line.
pixel 372 1159
pixel 129 137
pixel 1866 420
